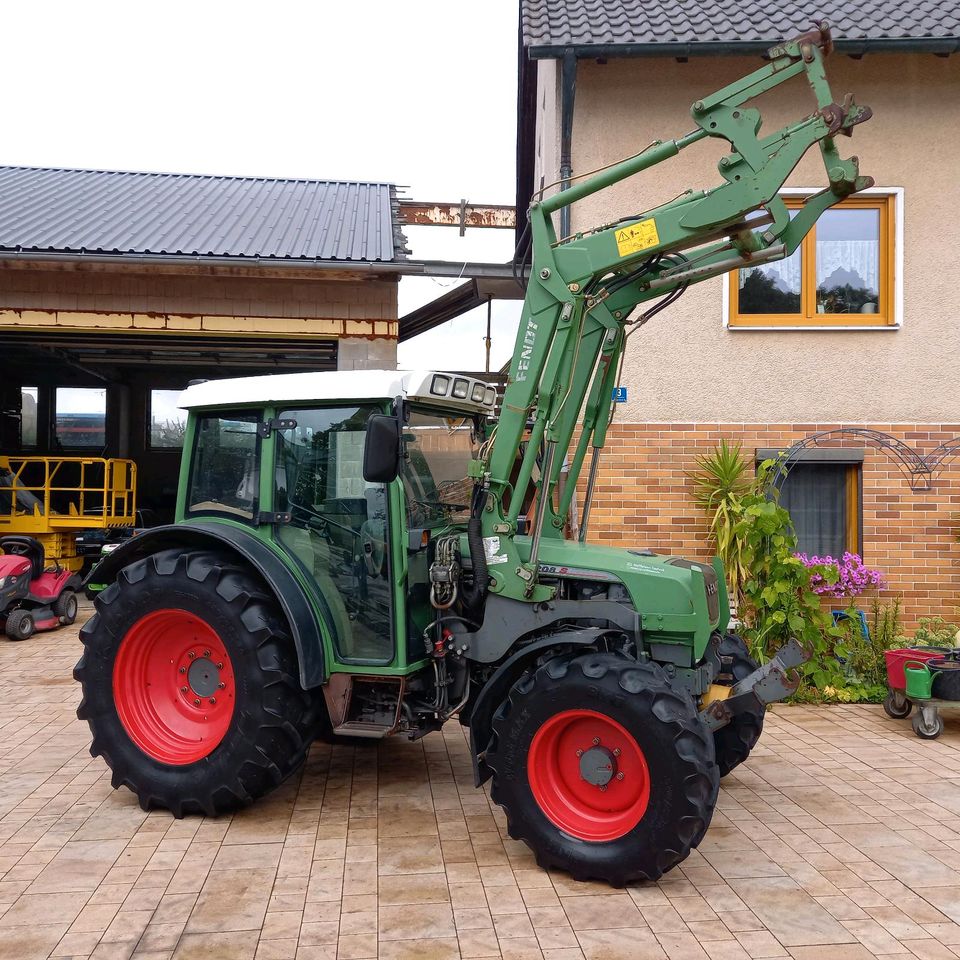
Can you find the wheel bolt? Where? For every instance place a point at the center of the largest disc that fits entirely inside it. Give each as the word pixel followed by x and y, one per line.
pixel 213 700
pixel 616 751
pixel 206 653
pixel 191 655
pixel 221 685
pixel 596 740
pixel 579 753
pixel 183 669
pixel 603 788
pixel 183 689
pixel 220 665
pixel 196 703
pixel 619 776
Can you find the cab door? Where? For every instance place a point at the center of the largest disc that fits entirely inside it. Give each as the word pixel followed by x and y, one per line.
pixel 339 531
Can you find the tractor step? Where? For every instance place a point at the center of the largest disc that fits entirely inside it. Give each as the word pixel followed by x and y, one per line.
pixel 357 728
pixel 363 705
pixel 772 682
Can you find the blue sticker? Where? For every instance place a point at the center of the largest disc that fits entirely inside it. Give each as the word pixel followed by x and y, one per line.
pixel 619 394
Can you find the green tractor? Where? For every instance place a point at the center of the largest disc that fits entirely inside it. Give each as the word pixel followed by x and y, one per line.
pixel 365 554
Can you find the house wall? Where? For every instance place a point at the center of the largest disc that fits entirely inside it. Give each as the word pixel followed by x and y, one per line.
pixel 642 499
pixel 686 366
pixel 691 381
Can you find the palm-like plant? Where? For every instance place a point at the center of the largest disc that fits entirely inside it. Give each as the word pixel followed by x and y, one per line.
pixel 720 482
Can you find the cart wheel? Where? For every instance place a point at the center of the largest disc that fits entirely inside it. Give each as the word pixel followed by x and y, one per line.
pixel 896 705
pixel 927 730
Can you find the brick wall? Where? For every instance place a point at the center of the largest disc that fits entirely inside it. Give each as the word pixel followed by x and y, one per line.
pixel 643 499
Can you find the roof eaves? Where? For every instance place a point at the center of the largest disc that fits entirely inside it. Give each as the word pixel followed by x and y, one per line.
pixel 732 48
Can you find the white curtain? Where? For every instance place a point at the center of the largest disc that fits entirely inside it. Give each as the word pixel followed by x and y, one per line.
pixel 849 257
pixel 786 273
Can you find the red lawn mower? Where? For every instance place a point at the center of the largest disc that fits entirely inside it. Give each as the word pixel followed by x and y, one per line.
pixel 32 598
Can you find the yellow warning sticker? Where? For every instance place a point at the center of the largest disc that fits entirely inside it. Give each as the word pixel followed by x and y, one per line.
pixel 639 236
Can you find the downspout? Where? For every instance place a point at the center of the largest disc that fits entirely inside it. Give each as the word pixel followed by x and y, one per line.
pixel 568 93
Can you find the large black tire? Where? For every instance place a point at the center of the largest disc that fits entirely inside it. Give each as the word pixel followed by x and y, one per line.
pixel 735 741
pixel 272 719
pixel 664 723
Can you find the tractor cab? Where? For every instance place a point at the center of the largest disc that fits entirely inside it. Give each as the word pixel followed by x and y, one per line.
pixel 284 456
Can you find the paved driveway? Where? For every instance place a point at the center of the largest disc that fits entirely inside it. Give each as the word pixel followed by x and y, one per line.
pixel 836 841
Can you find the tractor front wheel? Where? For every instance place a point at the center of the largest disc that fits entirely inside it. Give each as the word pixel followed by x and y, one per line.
pixel 190 684
pixel 603 768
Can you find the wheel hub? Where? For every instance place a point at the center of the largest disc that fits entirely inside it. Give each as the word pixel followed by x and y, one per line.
pixel 203 677
pixel 598 766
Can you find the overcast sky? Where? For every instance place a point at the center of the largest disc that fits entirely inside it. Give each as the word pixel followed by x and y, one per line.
pixel 421 94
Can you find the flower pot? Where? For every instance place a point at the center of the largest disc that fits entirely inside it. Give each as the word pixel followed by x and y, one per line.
pixel 946 679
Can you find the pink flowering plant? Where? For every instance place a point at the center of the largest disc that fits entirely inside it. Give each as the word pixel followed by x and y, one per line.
pixel 847 577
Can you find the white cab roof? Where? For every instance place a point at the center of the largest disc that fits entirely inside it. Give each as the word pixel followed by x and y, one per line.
pixel 286 388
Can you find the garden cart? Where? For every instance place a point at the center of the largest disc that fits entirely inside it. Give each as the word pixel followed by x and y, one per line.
pixel 352 557
pixel 925 677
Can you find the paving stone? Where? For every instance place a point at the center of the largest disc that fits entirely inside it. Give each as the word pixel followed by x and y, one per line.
pixel 835 841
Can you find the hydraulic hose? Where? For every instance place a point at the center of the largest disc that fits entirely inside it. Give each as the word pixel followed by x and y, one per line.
pixel 475 594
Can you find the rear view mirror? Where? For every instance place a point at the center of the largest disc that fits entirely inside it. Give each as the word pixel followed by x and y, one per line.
pixel 381 449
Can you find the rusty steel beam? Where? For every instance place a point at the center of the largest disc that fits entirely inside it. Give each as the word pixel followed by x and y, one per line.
pixel 462 215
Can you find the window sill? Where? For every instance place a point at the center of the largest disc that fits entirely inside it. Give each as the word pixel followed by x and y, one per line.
pixel 821 328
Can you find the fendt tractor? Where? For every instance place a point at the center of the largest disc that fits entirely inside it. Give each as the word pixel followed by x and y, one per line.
pixel 364 554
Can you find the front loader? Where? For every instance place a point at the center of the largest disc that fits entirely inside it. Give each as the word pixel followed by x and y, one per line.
pixel 355 557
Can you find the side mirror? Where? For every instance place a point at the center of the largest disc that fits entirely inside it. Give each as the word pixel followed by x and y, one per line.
pixel 381 449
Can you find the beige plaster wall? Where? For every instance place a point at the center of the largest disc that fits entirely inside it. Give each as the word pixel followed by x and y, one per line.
pixel 685 366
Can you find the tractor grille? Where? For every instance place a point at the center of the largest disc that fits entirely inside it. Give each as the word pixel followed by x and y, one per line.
pixel 709 582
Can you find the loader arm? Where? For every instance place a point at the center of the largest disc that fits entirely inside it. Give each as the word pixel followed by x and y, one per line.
pixel 584 288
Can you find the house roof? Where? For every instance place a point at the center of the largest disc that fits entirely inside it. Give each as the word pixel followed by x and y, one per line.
pixel 172 215
pixel 689 27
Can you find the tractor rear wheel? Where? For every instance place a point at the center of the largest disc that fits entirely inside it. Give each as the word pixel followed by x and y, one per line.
pixel 603 768
pixel 735 741
pixel 190 684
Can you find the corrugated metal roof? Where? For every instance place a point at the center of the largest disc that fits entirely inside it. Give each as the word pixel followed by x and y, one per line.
pixel 655 23
pixel 172 215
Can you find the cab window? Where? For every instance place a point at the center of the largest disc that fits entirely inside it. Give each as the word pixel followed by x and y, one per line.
pixel 438 450
pixel 338 530
pixel 225 468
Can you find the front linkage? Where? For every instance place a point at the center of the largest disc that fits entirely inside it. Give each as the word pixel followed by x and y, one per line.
pixel 583 288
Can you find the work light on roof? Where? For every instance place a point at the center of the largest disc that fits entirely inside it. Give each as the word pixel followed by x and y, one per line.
pixel 440 385
pixel 461 388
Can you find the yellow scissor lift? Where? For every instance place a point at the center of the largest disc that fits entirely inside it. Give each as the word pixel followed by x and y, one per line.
pixel 53 499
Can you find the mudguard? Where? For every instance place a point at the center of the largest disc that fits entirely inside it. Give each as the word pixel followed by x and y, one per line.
pixel 289 593
pixel 498 686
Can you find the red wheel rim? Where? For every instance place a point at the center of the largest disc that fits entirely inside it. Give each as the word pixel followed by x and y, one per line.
pixel 173 686
pixel 588 775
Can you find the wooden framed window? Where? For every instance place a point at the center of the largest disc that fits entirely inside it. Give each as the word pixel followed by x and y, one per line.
pixel 843 274
pixel 823 491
